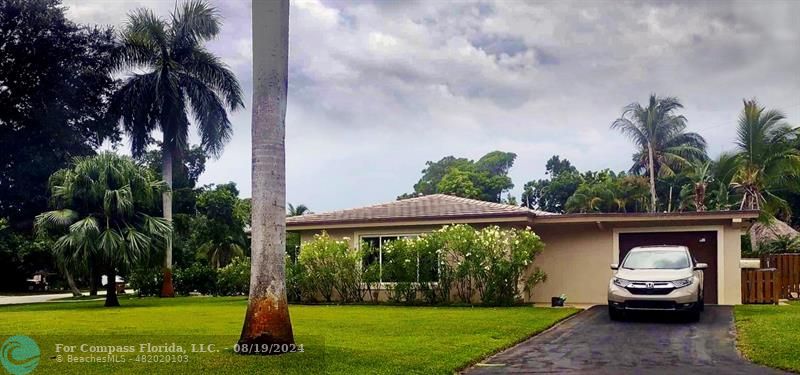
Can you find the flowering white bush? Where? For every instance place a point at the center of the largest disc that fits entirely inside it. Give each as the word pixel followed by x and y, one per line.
pixel 490 263
pixel 400 269
pixel 330 265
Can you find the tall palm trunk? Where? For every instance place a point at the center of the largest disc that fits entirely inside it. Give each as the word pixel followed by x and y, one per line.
pixel 652 177
pixel 267 318
pixel 700 196
pixel 94 278
pixel 71 282
pixel 111 288
pixel 167 289
pixel 669 201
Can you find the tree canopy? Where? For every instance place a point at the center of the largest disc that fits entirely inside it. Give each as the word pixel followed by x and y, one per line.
pixel 218 230
pixel 54 91
pixel 485 179
pixel 179 76
pixel 551 194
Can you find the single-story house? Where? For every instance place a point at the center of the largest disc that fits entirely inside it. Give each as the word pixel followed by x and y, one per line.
pixel 578 247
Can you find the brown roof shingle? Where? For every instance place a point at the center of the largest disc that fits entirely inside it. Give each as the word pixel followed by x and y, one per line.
pixel 438 206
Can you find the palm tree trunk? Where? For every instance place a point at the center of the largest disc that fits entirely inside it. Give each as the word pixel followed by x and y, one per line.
pixel 700 196
pixel 267 319
pixel 669 203
pixel 111 288
pixel 72 287
pixel 652 177
pixel 94 277
pixel 167 289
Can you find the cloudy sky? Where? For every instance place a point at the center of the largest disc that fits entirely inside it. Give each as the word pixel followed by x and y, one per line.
pixel 376 88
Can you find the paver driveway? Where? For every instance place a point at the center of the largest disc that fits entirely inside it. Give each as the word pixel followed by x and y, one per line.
pixel 645 344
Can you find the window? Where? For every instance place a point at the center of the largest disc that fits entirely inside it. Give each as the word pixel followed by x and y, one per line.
pixel 427 268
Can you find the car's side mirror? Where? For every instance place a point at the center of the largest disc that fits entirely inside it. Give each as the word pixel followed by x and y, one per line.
pixel 614 266
pixel 700 266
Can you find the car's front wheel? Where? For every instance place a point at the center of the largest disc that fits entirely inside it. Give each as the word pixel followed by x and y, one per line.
pixel 615 314
pixel 694 313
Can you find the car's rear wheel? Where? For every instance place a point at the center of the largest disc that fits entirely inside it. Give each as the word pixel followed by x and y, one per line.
pixel 615 314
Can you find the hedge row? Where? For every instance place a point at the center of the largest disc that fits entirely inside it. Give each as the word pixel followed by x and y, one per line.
pixel 231 280
pixel 458 263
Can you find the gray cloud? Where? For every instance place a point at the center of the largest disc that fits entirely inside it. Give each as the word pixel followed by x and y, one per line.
pixel 377 88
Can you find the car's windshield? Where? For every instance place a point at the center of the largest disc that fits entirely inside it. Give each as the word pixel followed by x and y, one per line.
pixel 656 259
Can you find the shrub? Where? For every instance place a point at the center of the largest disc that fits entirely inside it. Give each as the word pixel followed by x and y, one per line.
pixel 195 278
pixel 782 243
pixel 234 279
pixel 294 279
pixel 507 254
pixel 370 277
pixel 491 262
pixel 349 275
pixel 400 260
pixel 330 266
pixel 146 281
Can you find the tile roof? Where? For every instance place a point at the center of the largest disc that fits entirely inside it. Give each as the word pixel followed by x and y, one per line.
pixel 435 206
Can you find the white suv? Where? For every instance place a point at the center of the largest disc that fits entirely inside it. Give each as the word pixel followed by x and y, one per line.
pixel 657 278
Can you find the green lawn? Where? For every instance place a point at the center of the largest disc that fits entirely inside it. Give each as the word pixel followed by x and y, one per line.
pixel 770 335
pixel 336 339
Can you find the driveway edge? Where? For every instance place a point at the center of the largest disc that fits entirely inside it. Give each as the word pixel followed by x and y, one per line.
pixel 522 340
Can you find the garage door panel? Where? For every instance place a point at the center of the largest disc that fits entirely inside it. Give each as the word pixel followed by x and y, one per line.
pixel 702 246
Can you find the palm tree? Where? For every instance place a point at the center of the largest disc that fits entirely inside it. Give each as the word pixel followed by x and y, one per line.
pixel 220 254
pixel 596 197
pixel 298 210
pixel 267 319
pixel 663 145
pixel 722 172
pixel 100 203
pixel 767 162
pixel 174 74
pixel 699 175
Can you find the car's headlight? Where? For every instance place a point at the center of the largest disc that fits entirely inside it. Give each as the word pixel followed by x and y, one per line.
pixel 683 282
pixel 621 282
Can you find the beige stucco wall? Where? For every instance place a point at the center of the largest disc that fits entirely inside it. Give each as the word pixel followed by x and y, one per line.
pixel 576 259
pixel 577 256
pixel 731 290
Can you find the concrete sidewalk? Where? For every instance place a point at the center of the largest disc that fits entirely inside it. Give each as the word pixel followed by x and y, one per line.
pixel 39 298
pixel 35 298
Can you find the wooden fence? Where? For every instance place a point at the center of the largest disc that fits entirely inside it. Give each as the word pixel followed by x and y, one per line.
pixel 760 286
pixel 788 268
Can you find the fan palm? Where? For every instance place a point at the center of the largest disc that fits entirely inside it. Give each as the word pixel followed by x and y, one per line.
pixel 175 74
pixel 663 145
pixel 100 203
pixel 767 161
